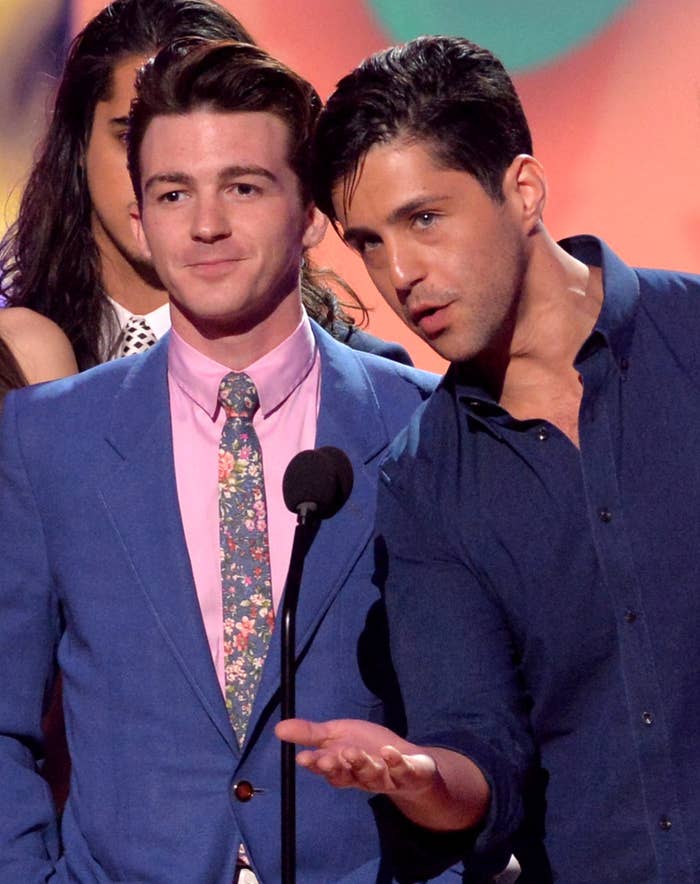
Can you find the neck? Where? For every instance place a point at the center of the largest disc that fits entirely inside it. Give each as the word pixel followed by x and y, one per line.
pixel 234 346
pixel 127 281
pixel 559 305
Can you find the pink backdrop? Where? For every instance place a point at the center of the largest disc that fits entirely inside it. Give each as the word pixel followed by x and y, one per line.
pixel 616 122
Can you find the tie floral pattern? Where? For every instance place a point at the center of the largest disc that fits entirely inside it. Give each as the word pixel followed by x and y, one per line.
pixel 245 557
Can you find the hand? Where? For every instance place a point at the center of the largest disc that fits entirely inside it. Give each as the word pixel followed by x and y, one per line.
pixel 362 755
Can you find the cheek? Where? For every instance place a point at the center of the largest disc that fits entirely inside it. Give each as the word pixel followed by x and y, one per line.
pixel 277 225
pixel 160 247
pixel 380 278
pixel 387 291
pixel 378 271
pixel 107 175
pixel 155 244
pixel 117 179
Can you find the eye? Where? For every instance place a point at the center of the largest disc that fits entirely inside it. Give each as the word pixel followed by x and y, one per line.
pixel 171 196
pixel 423 220
pixel 364 245
pixel 245 189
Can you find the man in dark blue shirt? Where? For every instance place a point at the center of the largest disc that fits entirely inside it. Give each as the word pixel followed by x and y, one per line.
pixel 540 512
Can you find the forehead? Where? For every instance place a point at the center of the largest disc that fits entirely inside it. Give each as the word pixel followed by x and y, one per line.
pixel 122 89
pixel 391 175
pixel 204 141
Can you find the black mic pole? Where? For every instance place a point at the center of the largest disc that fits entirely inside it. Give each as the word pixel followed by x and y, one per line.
pixel 304 533
pixel 315 486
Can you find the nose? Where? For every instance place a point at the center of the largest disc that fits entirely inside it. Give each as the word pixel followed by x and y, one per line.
pixel 405 268
pixel 210 221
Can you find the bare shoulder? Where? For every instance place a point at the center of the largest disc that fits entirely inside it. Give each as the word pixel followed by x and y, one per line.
pixel 37 343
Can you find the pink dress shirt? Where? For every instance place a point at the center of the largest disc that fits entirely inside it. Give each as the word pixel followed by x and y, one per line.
pixel 288 383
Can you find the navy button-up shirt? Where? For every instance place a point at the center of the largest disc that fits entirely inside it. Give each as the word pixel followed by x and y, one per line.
pixel 544 600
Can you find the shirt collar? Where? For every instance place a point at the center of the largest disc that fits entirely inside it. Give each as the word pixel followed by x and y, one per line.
pixel 615 323
pixel 276 374
pixel 158 319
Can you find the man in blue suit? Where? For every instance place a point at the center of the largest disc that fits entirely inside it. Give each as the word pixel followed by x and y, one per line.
pixel 110 537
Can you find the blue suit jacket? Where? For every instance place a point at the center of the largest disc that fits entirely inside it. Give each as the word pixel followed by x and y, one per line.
pixel 95 573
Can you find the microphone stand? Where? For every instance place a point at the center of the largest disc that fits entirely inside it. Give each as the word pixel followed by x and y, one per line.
pixel 307 526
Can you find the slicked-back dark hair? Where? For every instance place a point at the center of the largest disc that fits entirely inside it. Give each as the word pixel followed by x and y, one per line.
pixel 49 260
pixel 446 92
pixel 224 77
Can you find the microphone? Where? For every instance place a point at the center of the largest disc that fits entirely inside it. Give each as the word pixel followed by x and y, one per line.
pixel 317 482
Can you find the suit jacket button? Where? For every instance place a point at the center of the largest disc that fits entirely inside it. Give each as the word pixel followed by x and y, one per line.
pixel 244 790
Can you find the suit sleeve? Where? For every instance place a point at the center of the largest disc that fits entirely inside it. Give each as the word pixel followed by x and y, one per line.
pixel 453 652
pixel 28 630
pixel 357 339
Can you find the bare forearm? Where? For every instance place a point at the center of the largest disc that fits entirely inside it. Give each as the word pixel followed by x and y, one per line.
pixel 457 797
pixel 435 788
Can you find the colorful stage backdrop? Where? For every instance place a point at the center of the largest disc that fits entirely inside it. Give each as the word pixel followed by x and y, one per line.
pixel 611 87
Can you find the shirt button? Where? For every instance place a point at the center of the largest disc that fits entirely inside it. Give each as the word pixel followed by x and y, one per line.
pixel 244 790
pixel 630 615
pixel 604 515
pixel 543 434
pixel 647 718
pixel 664 824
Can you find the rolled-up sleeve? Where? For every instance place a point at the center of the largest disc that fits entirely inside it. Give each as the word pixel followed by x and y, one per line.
pixel 452 648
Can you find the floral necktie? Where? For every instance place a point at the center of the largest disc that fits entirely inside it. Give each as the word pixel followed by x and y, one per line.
pixel 245 555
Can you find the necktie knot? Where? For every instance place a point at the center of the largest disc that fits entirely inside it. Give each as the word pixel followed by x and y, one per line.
pixel 137 336
pixel 238 396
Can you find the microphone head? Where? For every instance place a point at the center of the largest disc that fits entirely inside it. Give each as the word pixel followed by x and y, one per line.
pixel 321 477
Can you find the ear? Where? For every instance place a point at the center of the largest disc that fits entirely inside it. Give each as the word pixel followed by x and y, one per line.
pixel 137 230
pixel 524 184
pixel 316 226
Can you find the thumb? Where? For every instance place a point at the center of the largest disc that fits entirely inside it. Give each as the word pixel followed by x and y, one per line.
pixel 298 730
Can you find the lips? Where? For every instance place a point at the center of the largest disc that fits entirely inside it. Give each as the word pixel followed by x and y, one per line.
pixel 430 319
pixel 208 262
pixel 212 266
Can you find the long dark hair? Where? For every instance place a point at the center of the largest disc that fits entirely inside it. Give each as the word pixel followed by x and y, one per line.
pixel 11 376
pixel 49 260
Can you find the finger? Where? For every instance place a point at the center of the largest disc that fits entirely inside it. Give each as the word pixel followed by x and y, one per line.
pixel 320 761
pixel 298 730
pixel 409 771
pixel 330 766
pixel 370 772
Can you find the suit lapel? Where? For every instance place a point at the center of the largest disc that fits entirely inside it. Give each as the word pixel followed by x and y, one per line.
pixel 140 495
pixel 350 419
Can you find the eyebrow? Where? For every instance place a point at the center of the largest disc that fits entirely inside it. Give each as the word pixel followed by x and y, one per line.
pixel 119 121
pixel 235 171
pixel 228 172
pixel 400 213
pixel 167 178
